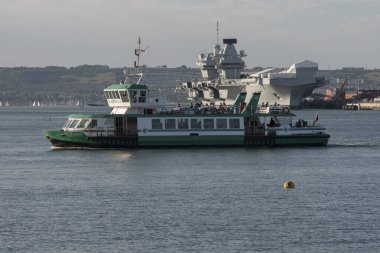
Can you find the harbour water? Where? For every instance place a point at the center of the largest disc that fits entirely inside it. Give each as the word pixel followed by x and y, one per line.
pixel 189 200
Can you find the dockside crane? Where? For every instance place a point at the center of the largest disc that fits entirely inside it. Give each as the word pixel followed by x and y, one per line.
pixel 340 93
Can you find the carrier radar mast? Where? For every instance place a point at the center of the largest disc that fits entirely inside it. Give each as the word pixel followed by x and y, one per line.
pixel 217 32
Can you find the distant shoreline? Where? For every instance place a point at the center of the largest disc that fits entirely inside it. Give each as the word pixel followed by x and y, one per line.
pixel 61 85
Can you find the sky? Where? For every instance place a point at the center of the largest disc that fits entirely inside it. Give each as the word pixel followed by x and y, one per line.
pixel 69 33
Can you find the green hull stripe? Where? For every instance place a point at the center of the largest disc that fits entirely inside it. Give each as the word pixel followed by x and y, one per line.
pixel 65 136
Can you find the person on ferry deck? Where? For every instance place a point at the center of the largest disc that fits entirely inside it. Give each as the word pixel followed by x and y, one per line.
pixel 272 123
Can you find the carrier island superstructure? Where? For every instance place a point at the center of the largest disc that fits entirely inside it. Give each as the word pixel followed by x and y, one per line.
pixel 223 78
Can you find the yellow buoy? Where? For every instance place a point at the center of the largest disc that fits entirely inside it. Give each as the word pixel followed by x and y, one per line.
pixel 289 184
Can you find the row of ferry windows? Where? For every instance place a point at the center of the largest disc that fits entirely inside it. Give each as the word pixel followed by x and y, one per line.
pixel 195 123
pixel 135 96
pixel 80 123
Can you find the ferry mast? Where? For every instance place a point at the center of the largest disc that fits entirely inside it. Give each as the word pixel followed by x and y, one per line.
pixel 137 73
pixel 138 51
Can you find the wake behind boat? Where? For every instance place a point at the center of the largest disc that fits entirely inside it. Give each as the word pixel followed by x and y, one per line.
pixel 141 118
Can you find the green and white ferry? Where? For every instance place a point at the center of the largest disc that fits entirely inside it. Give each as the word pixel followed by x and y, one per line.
pixel 140 118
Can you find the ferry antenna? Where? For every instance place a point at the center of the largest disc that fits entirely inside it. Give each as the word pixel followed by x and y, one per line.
pixel 139 51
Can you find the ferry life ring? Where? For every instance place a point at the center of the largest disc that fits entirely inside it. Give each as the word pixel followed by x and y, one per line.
pixel 285 110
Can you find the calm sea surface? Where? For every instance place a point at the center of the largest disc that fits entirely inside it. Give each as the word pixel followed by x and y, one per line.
pixel 189 200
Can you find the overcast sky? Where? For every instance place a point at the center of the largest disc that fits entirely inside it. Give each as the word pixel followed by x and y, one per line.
pixel 333 33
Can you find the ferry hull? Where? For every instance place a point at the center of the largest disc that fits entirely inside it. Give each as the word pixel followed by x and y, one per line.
pixel 65 139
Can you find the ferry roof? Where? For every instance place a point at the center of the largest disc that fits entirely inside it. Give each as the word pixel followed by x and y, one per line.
pixel 128 86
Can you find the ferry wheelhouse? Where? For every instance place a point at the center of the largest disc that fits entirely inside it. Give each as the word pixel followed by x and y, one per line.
pixel 140 118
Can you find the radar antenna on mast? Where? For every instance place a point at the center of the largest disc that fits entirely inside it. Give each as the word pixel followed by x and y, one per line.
pixel 137 73
pixel 139 51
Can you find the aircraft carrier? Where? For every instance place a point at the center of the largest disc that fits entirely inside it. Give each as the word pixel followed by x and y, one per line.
pixel 223 78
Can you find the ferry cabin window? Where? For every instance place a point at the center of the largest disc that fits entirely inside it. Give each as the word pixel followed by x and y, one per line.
pixel 134 96
pixel 82 123
pixel 67 124
pixel 124 96
pixel 169 123
pixel 116 95
pixel 196 123
pixel 142 97
pixel 106 94
pixel 157 124
pixel 234 123
pixel 183 124
pixel 93 123
pixel 221 123
pixel 208 124
pixel 87 123
pixel 74 123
